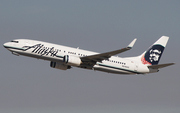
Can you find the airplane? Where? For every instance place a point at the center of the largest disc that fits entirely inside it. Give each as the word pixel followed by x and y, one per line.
pixel 63 57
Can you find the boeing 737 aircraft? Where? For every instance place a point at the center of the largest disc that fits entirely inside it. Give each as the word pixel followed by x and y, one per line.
pixel 63 57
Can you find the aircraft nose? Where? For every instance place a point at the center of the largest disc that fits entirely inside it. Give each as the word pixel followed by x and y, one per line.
pixel 6 44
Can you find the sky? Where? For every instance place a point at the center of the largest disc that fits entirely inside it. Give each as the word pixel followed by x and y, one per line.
pixel 30 85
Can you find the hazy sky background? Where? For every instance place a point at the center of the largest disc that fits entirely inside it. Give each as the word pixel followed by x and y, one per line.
pixel 29 85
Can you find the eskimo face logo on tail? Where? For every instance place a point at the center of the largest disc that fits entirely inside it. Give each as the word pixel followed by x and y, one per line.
pixel 153 55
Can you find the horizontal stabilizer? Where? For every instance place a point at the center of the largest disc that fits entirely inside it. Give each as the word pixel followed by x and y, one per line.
pixel 160 66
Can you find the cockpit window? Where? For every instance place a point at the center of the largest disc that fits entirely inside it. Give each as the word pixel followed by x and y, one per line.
pixel 15 41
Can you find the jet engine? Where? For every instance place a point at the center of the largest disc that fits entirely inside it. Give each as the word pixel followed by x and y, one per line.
pixel 72 60
pixel 58 65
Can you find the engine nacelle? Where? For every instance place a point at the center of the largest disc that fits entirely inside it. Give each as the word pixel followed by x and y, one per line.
pixel 58 65
pixel 72 60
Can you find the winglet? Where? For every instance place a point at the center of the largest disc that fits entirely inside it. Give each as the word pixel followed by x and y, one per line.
pixel 132 43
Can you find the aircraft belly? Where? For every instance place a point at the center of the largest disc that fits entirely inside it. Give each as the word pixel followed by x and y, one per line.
pixel 111 70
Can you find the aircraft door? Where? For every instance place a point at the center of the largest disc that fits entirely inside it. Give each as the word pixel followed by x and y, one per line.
pixel 135 66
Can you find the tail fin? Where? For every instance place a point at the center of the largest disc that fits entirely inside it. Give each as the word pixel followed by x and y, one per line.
pixel 154 53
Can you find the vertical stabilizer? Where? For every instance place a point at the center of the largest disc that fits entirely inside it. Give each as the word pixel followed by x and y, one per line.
pixel 154 53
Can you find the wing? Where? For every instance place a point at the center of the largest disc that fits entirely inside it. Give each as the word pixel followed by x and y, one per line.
pixel 105 56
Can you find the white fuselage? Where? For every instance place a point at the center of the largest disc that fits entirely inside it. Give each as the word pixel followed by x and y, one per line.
pixel 56 53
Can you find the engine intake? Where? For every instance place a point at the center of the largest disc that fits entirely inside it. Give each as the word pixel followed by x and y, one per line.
pixel 72 60
pixel 58 65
